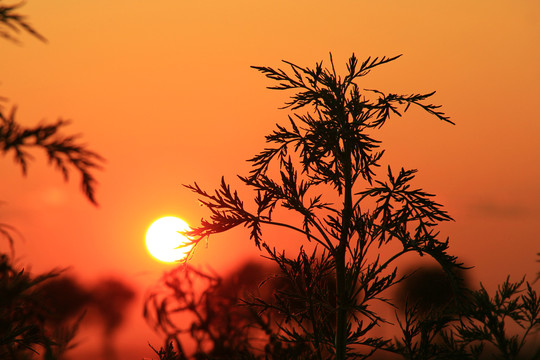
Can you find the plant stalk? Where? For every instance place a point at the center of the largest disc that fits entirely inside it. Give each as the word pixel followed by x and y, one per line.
pixel 341 290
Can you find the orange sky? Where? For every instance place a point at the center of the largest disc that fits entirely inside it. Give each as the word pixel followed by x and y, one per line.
pixel 164 91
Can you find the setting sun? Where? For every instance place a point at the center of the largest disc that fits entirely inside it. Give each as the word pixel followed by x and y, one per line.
pixel 163 239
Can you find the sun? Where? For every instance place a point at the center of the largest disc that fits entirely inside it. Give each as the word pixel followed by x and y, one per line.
pixel 163 239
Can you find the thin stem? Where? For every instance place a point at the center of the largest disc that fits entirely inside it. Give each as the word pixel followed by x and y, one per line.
pixel 314 322
pixel 321 231
pixel 389 261
pixel 525 335
pixel 296 229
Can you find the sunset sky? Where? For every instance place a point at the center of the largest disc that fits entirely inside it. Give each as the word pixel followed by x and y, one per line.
pixel 163 90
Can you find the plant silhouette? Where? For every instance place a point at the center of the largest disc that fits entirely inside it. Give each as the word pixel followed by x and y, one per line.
pixel 323 167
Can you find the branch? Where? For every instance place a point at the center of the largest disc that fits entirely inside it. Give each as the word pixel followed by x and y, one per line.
pixel 62 151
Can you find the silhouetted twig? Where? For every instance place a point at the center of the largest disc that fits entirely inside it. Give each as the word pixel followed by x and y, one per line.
pixel 12 23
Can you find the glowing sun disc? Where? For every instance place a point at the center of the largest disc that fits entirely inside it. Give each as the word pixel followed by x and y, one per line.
pixel 163 239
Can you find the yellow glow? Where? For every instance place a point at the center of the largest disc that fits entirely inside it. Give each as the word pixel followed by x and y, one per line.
pixel 163 239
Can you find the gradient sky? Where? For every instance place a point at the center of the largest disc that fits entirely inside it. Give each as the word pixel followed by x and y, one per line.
pixel 164 91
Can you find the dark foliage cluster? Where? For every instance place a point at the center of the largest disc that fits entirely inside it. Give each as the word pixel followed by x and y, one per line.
pixel 23 316
pixel 40 315
pixel 498 326
pixel 217 314
pixel 201 305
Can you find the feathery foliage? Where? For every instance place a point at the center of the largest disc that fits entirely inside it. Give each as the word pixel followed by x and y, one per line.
pixel 62 151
